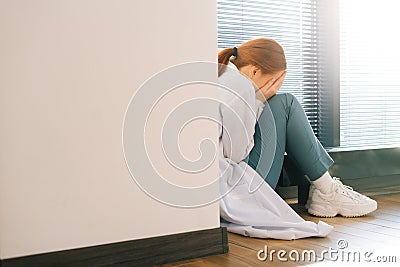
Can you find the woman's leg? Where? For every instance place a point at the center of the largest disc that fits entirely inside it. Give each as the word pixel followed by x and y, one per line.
pixel 329 197
pixel 294 135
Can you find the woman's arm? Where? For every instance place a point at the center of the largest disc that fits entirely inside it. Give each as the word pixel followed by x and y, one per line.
pixel 271 87
pixel 239 116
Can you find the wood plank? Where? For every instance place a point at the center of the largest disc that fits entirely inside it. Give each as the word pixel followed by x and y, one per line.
pixel 255 244
pixel 189 263
pixel 388 197
pixel 379 232
pixel 386 216
pixel 361 225
pixel 300 245
pixel 372 223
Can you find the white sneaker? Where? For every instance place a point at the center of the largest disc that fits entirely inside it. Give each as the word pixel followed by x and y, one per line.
pixel 341 200
pixel 310 193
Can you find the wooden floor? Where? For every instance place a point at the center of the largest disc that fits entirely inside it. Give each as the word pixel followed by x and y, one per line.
pixel 375 237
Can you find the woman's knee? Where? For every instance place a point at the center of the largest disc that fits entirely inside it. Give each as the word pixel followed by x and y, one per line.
pixel 282 96
pixel 284 99
pixel 290 98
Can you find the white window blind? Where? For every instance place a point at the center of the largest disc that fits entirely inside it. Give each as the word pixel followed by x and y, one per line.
pixel 369 73
pixel 290 22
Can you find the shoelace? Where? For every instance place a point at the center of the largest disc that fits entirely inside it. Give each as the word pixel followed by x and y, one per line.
pixel 345 188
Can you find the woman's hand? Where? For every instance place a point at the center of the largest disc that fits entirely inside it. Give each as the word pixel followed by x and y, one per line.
pixel 271 87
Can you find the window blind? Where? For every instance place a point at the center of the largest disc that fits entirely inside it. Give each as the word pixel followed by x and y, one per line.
pixel 290 22
pixel 369 73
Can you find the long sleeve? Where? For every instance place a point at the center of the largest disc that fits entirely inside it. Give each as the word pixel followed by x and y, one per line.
pixel 259 107
pixel 239 111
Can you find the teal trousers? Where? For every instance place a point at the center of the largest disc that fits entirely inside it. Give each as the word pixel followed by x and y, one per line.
pixel 294 136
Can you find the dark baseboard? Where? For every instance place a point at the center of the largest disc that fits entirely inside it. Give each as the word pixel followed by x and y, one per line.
pixel 355 164
pixel 370 183
pixel 362 169
pixel 360 184
pixel 141 252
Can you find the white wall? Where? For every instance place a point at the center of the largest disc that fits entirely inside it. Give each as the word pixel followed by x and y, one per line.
pixel 68 69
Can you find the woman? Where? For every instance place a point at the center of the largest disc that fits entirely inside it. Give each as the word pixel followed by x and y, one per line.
pixel 253 74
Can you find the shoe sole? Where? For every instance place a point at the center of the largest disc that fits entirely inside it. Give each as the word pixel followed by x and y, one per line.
pixel 327 211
